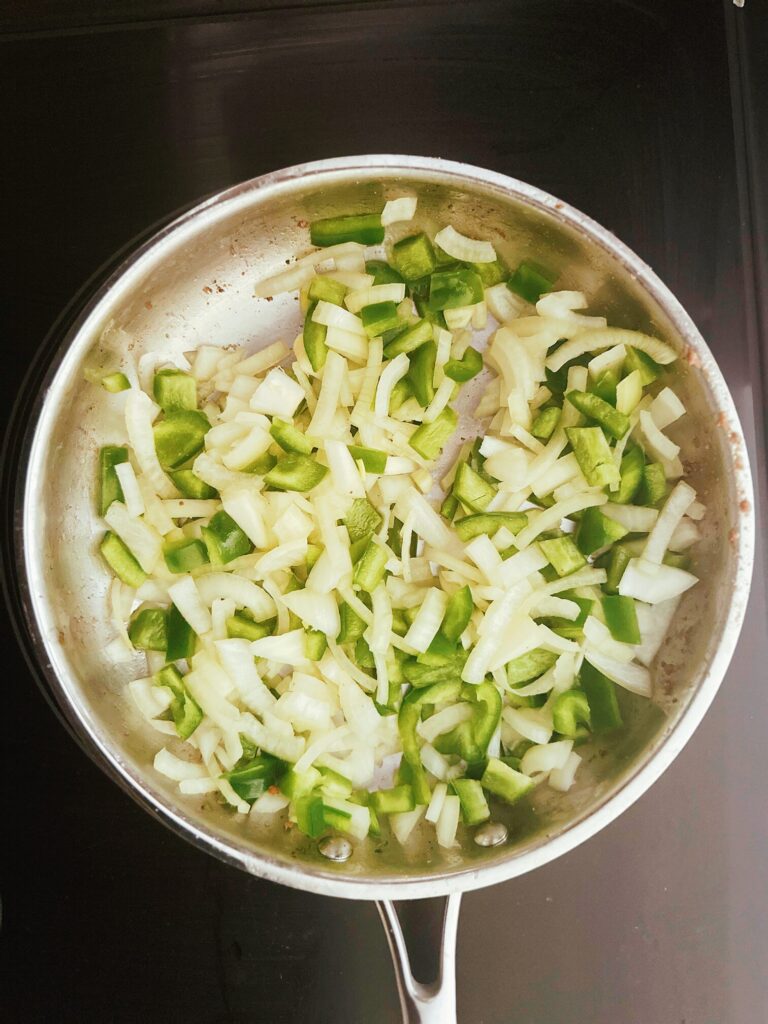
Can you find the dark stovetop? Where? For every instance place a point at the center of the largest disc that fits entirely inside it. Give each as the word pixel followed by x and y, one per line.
pixel 647 115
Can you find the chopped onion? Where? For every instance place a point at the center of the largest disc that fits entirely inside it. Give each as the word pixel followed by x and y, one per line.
pixel 134 502
pixel 424 627
pixel 439 794
pixel 653 620
pixel 468 250
pixel 597 339
pixel 550 518
pixel 400 209
pixel 346 475
pixel 546 757
pixel 635 518
pixel 144 542
pixel 278 394
pixel 175 768
pixel 445 720
pixel 245 593
pixel 671 515
pixel 319 611
pixel 635 678
pixel 355 301
pixel 237 658
pixel 533 724
pixel 562 778
pixel 654 441
pixel 448 822
pixel 666 408
pixel 140 411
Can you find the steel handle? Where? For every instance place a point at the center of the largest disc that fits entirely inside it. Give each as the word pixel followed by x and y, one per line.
pixel 435 1002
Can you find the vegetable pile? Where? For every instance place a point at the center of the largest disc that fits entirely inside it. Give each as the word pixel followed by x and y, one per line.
pixel 333 633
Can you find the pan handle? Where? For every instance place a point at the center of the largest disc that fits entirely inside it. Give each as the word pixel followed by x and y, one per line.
pixel 433 1003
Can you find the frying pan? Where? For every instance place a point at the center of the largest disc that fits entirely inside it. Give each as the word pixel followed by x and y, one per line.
pixel 192 283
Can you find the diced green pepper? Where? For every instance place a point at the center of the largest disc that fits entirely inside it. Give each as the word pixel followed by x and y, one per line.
pixel 490 273
pixel 185 555
pixel 592 406
pixel 314 336
pixel 401 392
pixel 224 539
pixel 597 531
pixel 632 464
pixel 393 801
pixel 365 228
pixel 295 784
pixel 192 486
pixel 174 390
pixel 121 561
pixel 325 289
pixel 380 317
pixel 362 519
pixel 489 523
pixel 413 774
pixel 529 666
pixel 410 713
pixel 147 629
pixel 181 638
pixel 563 555
pixel 429 439
pixel 487 700
pixel 186 712
pixel 369 571
pixel 254 777
pixel 504 782
pixel 357 548
pixel 295 473
pixel 414 257
pixel 290 438
pixel 649 369
pixel 621 619
pixel 450 289
pixel 421 372
pixel 363 654
pixel 441 651
pixel 110 455
pixel 449 507
pixel 373 460
pixel 543 426
pixel 382 272
pixel 605 387
pixel 424 307
pixel 530 281
pixel 593 455
pixel 653 488
pixel 310 814
pixel 352 626
pixel 179 436
pixel 461 370
pixel 601 694
pixel 242 627
pixel 458 612
pixel 620 555
pixel 409 339
pixel 315 644
pixel 115 382
pixel 570 711
pixel 262 465
pixel 471 489
pixel 474 807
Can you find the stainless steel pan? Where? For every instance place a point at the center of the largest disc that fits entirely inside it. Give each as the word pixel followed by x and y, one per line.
pixel 193 283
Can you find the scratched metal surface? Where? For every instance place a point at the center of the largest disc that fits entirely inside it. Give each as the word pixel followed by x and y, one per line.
pixel 626 111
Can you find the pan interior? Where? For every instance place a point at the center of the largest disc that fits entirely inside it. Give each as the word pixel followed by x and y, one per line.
pixel 194 286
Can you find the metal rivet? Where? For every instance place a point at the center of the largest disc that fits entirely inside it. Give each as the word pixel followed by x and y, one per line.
pixel 493 833
pixel 335 848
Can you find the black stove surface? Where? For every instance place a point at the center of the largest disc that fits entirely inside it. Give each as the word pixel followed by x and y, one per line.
pixel 646 114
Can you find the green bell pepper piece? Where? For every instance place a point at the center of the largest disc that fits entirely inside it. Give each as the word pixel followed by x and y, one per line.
pixel 490 273
pixel 490 523
pixel 224 539
pixel 401 392
pixel 464 369
pixel 409 339
pixel 605 387
pixel 363 654
pixel 369 570
pixel 185 711
pixel 351 627
pixel 429 439
pixel 653 487
pixel 380 317
pixel 295 473
pixel 393 801
pixel 458 612
pixel 362 519
pixel 487 700
pixel 529 666
pixel 415 776
pixel 441 651
pixel 314 336
pixel 474 807
pixel 290 438
pixel 601 694
pixel 421 372
pixel 414 257
pixel 242 627
pixel 179 436
pixel 621 619
pixel 357 548
pixel 410 713
pixel 563 555
pixel 632 465
pixel 109 484
pixel 147 629
pixel 373 460
pixel 115 382
pixel 449 507
pixel 545 422
pixel 121 560
pixel 504 782
pixel 192 486
pixel 530 281
pixel 174 390
pixel 570 711
pixel 185 555
pixel 315 644
pixel 181 638
pixel 597 531
pixel 295 784
pixel 382 272
pixel 310 814
pixel 593 455
pixel 471 489
pixel 450 289
pixel 262 465
pixel 649 369
pixel 325 289
pixel 253 777
pixel 365 228
pixel 593 407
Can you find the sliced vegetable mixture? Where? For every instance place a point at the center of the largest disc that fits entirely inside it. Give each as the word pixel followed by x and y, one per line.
pixel 326 638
